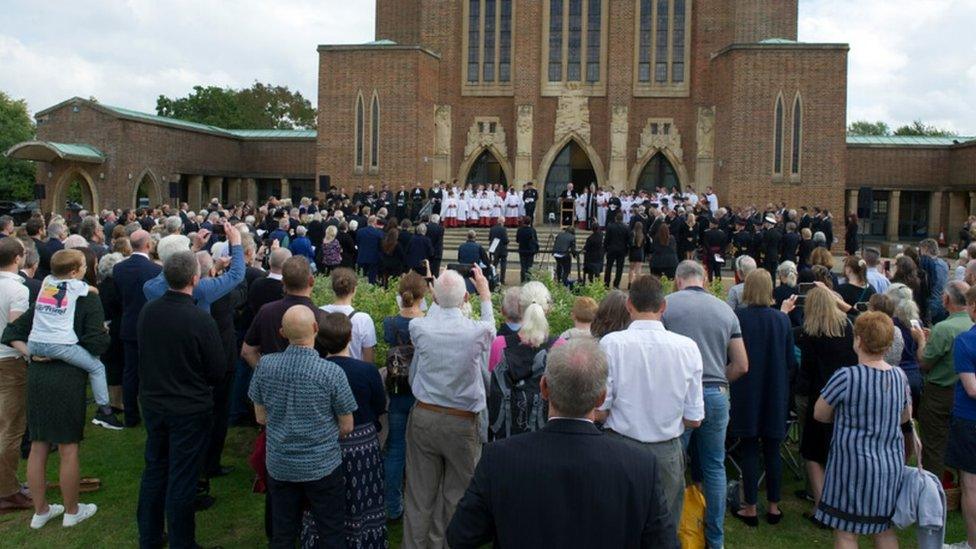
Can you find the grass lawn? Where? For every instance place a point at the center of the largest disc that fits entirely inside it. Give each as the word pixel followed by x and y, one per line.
pixel 237 519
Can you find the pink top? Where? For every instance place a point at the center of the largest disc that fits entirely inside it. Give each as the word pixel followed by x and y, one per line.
pixel 498 348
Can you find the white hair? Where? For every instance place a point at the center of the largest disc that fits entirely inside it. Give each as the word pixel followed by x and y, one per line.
pixel 353 225
pixel 906 310
pixel 435 218
pixel 745 264
pixel 786 272
pixel 171 244
pixel 534 302
pixel 75 241
pixel 300 230
pixel 173 224
pixel 219 249
pixel 449 290
pixel 511 306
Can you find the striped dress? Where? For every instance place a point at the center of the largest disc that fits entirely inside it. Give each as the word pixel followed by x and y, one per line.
pixel 866 457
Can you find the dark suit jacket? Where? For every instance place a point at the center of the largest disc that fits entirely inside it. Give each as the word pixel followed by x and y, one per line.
pixel 499 232
pixel 435 232
pixel 368 240
pixel 567 485
pixel 33 286
pixel 617 239
pixel 527 239
pixel 130 276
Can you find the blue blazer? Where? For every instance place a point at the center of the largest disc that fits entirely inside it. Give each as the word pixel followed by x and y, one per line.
pixel 130 276
pixel 368 241
pixel 418 250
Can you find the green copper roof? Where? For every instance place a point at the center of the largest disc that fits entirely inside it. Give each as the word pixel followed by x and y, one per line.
pixel 906 140
pixel 48 151
pixel 139 116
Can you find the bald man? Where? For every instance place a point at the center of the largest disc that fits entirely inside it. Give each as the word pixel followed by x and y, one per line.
pixel 130 276
pixel 306 404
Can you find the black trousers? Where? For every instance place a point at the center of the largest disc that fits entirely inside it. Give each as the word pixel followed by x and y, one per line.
pixel 174 445
pixel 130 382
pixel 221 419
pixel 327 503
pixel 525 264
pixel 530 212
pixel 501 265
pixel 564 265
pixel 618 261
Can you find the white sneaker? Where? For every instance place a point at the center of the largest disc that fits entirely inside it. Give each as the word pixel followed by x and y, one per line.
pixel 53 510
pixel 85 511
pixel 960 545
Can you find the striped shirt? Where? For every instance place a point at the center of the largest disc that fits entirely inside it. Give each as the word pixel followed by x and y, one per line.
pixel 303 395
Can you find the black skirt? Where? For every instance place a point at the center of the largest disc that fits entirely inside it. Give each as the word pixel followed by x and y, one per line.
pixel 56 402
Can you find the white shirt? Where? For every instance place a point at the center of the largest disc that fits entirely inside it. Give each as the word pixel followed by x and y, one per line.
pixel 654 382
pixel 54 313
pixel 14 298
pixel 450 357
pixel 363 329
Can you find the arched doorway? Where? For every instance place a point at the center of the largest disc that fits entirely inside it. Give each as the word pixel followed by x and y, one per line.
pixel 658 172
pixel 145 192
pixel 486 170
pixel 74 191
pixel 570 165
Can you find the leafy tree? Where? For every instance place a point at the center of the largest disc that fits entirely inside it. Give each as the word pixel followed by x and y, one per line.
pixel 863 127
pixel 921 129
pixel 16 176
pixel 262 106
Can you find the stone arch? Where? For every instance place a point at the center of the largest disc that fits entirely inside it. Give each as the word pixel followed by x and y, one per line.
pixel 154 191
pixel 468 162
pixel 89 193
pixel 679 166
pixel 550 157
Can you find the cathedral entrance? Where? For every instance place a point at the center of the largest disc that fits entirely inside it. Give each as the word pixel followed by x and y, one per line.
pixel 571 165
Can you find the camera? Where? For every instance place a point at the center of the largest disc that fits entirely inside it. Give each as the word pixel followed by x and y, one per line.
pixel 861 307
pixel 218 230
pixel 462 269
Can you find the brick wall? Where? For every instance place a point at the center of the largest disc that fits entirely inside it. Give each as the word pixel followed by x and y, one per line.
pixel 897 167
pixel 398 20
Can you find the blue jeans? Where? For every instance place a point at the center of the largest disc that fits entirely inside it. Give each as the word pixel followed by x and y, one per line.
pixel 396 453
pixel 77 356
pixel 706 445
pixel 174 446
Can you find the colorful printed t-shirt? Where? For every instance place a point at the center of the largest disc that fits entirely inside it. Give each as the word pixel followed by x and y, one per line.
pixel 54 313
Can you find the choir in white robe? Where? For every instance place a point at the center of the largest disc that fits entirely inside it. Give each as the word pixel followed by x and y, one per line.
pixel 602 202
pixel 580 204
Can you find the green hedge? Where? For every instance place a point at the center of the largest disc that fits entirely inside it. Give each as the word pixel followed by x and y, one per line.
pixel 380 302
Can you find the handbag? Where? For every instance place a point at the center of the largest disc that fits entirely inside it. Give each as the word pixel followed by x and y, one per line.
pixel 691 528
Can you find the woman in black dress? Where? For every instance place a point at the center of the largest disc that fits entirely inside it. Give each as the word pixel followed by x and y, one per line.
pixel 392 259
pixel 56 406
pixel 348 244
pixel 826 344
pixel 664 256
pixel 850 237
pixel 593 253
pixel 856 288
pixel 635 252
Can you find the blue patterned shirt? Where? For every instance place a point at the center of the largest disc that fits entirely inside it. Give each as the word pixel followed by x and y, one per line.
pixel 303 395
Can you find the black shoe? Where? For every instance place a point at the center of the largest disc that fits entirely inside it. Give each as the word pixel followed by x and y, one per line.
pixel 813 520
pixel 107 420
pixel 203 502
pixel 117 411
pixel 751 522
pixel 221 471
pixel 774 518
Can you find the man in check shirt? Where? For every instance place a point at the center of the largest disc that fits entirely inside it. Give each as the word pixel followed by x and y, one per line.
pixel 654 386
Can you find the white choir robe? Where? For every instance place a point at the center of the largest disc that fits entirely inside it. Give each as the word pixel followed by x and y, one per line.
pixel 464 209
pixel 512 205
pixel 484 206
pixel 581 201
pixel 625 204
pixel 496 205
pixel 602 202
pixel 451 210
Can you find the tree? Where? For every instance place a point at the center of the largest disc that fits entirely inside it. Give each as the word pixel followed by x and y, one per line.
pixel 863 127
pixel 16 176
pixel 919 128
pixel 262 106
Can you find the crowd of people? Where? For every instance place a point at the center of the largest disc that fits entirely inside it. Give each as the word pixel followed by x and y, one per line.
pixel 468 431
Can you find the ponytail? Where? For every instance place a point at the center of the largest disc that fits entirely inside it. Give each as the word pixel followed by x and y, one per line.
pixel 535 325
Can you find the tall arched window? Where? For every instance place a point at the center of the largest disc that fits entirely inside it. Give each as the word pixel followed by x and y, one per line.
pixel 778 138
pixel 360 127
pixel 374 133
pixel 574 46
pixel 487 42
pixel 797 135
pixel 662 54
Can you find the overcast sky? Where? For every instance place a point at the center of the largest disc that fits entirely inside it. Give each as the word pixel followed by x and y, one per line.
pixel 909 59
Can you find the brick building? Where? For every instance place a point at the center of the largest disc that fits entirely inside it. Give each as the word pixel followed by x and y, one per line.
pixel 621 93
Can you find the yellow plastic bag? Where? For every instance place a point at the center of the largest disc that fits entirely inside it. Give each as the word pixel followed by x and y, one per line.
pixel 691 529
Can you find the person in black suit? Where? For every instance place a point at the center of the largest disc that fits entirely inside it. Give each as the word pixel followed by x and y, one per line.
pixel 130 276
pixel 435 232
pixel 772 239
pixel 528 246
pixel 500 256
pixel 616 241
pixel 567 485
pixel 529 198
